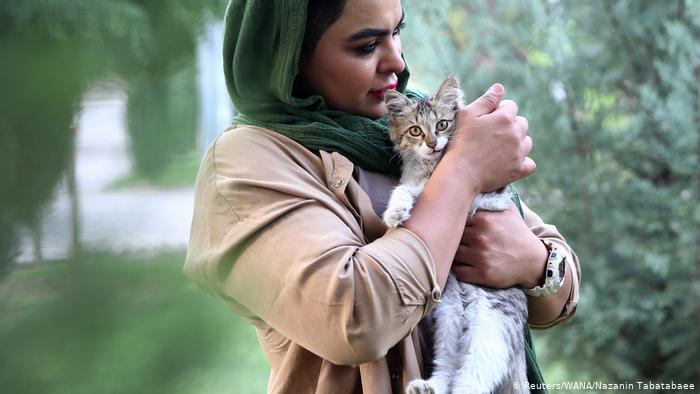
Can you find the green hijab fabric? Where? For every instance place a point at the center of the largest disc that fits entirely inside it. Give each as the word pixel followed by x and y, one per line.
pixel 262 45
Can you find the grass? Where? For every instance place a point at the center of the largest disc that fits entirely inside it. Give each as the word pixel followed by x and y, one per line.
pixel 115 324
pixel 112 324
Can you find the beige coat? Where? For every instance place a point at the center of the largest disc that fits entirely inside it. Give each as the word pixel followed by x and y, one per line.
pixel 291 243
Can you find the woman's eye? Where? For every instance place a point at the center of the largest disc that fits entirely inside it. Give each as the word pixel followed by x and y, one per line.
pixel 397 31
pixel 415 131
pixel 368 48
pixel 442 125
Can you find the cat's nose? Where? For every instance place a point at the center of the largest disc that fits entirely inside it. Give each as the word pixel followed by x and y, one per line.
pixel 431 144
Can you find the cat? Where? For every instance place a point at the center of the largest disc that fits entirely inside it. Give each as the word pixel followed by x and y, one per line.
pixel 479 342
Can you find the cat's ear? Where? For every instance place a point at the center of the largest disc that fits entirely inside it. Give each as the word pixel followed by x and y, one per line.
pixel 395 101
pixel 449 92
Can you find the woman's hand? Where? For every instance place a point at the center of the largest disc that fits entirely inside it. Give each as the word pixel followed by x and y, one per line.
pixel 498 250
pixel 491 141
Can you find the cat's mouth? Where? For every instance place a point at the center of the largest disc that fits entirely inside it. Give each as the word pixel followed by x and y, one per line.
pixel 434 155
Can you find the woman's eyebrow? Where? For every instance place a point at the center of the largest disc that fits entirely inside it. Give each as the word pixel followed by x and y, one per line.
pixel 373 32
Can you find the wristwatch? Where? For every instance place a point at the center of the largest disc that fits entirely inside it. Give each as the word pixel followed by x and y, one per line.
pixel 553 275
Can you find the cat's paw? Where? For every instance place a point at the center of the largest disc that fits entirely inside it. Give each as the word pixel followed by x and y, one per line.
pixel 394 217
pixel 495 201
pixel 420 386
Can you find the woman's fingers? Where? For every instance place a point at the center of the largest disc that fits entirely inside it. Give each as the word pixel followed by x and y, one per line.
pixel 522 124
pixel 527 167
pixel 469 274
pixel 509 108
pixel 487 103
pixel 492 139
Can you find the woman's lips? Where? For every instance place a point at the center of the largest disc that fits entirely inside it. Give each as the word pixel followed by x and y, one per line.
pixel 379 94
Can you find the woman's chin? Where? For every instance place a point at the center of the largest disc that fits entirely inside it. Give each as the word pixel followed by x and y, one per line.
pixel 374 110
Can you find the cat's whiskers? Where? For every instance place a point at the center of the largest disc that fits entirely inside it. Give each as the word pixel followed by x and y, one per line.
pixel 412 160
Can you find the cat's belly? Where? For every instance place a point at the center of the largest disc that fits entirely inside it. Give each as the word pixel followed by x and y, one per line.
pixel 511 302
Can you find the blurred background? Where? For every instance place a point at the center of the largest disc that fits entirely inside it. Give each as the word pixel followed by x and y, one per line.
pixel 107 106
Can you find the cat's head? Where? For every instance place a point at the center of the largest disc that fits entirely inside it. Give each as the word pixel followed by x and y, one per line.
pixel 422 128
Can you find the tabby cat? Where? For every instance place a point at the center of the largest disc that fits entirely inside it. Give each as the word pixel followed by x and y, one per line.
pixel 479 340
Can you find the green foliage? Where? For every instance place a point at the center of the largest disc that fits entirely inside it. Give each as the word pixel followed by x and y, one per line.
pixel 162 119
pixel 110 324
pixel 52 50
pixel 610 89
pixel 36 134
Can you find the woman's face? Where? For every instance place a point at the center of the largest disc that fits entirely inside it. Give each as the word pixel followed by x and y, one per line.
pixel 356 60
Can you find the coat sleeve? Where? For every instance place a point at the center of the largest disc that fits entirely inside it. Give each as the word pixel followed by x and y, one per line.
pixel 549 233
pixel 271 240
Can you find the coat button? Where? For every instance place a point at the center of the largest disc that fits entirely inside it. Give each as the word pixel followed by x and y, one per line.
pixel 339 183
pixel 436 294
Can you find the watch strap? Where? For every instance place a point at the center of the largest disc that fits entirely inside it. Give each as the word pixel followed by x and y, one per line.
pixel 554 273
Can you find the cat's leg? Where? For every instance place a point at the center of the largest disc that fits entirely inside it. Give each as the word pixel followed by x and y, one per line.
pixel 420 386
pixel 447 326
pixel 487 344
pixel 520 375
pixel 398 207
pixel 516 382
pixel 494 201
pixel 401 202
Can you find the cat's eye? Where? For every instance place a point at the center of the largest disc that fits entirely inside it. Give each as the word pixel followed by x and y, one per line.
pixel 415 131
pixel 442 125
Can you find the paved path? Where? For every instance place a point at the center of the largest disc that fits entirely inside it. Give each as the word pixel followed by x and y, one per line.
pixel 142 219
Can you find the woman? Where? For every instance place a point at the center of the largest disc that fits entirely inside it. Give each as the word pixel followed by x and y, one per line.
pixel 286 226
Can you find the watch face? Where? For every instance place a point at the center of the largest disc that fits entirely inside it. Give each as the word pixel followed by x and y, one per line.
pixel 562 265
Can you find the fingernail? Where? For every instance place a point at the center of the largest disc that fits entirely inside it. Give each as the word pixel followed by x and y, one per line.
pixel 497 88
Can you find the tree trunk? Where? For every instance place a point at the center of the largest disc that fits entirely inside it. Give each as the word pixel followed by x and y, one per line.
pixel 74 201
pixel 36 241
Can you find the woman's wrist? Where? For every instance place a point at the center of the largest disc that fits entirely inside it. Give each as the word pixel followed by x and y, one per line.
pixel 470 179
pixel 535 275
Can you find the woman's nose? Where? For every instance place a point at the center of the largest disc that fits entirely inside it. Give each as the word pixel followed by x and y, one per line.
pixel 392 62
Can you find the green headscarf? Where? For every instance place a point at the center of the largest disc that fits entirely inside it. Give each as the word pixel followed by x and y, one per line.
pixel 262 45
